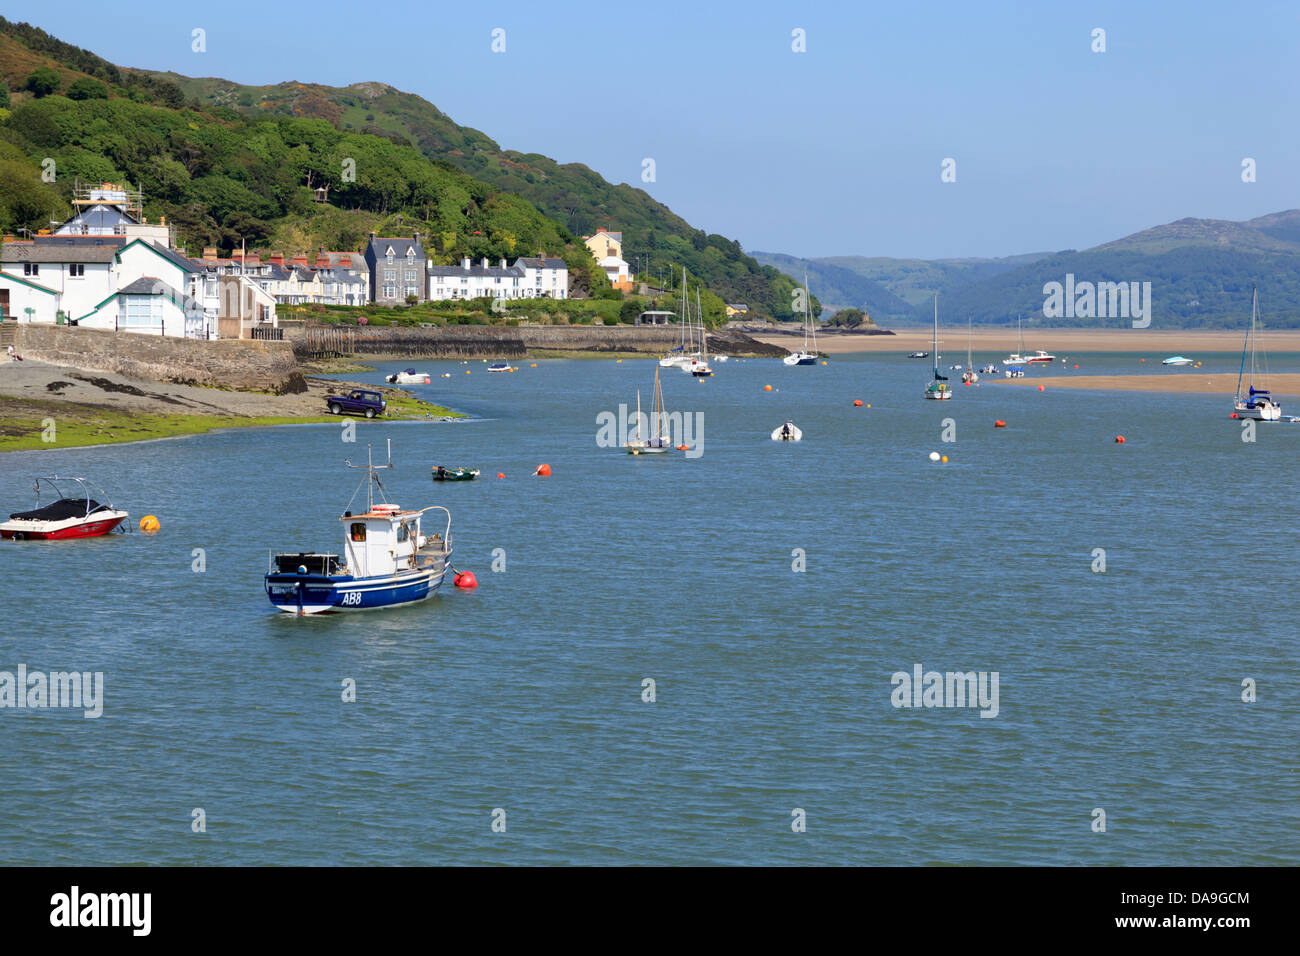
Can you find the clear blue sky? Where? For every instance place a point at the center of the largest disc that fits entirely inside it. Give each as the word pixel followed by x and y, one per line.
pixel 835 151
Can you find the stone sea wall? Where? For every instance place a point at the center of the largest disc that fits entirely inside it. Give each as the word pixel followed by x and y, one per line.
pixel 231 363
pixel 505 342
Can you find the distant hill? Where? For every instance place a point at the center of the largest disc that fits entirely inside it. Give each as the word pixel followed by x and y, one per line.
pixel 572 194
pixel 1201 272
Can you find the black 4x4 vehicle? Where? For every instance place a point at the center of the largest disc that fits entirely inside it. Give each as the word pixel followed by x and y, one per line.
pixel 359 401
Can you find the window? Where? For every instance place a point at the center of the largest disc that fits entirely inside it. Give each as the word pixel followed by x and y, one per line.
pixel 411 290
pixel 31 269
pixel 390 257
pixel 410 275
pixel 388 291
pixel 403 532
pixel 390 275
pixel 140 311
pixel 358 531
pixel 76 270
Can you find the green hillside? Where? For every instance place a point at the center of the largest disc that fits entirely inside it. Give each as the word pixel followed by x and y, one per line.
pixel 572 194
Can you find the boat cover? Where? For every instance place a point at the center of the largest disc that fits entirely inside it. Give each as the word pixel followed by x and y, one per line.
pixel 61 510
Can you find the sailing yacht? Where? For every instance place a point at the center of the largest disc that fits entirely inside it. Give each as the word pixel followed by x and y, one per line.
pixel 1018 356
pixel 699 366
pixel 682 356
pixel 661 440
pixel 969 376
pixel 939 389
pixel 1257 403
pixel 804 356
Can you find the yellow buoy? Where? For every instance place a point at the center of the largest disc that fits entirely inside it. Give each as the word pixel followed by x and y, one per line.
pixel 466 371
pixel 944 459
pixel 149 523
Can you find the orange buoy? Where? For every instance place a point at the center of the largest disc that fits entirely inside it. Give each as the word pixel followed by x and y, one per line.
pixel 967 382
pixel 501 474
pixel 543 471
pixel 857 403
pixel 999 424
pixel 465 579
pixel 534 365
pixel 1141 360
pixel 1076 366
pixel 767 388
pixel 944 459
pixel 1119 439
pixel 1233 415
pixel 682 447
pixel 149 524
pixel 1040 388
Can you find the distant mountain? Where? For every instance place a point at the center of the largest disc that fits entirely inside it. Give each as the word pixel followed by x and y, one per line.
pixel 572 194
pixel 1201 272
pixel 889 289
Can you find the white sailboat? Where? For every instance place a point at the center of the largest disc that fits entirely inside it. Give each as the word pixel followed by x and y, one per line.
pixel 1018 356
pixel 660 441
pixel 682 356
pixel 804 356
pixel 969 376
pixel 787 432
pixel 939 389
pixel 699 366
pixel 1257 403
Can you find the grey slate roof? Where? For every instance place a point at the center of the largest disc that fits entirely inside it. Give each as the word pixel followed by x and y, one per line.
pixel 149 286
pixel 533 262
pixel 514 271
pixel 60 251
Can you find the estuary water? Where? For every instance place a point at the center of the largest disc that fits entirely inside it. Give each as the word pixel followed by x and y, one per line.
pixel 769 590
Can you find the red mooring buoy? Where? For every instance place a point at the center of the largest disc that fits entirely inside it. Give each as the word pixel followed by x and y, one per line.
pixel 466 580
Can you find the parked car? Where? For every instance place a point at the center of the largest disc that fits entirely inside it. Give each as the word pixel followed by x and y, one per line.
pixel 359 401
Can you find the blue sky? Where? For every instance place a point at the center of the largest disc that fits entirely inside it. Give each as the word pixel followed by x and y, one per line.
pixel 834 151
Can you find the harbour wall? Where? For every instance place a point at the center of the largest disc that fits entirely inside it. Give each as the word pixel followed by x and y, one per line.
pixel 505 342
pixel 244 365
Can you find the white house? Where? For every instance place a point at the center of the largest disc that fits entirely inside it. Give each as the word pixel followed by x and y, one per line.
pixel 525 279
pixel 26 301
pixel 79 271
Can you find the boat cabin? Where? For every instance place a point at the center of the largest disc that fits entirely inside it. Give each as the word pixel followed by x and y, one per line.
pixel 384 540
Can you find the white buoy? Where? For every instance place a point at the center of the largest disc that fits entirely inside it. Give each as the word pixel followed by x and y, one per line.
pixel 934 456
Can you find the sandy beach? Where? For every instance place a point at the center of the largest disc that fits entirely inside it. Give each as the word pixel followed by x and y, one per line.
pixel 1155 343
pixel 1158 380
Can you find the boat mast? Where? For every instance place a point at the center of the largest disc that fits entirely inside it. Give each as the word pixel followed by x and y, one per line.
pixel 935 347
pixel 699 313
pixel 969 366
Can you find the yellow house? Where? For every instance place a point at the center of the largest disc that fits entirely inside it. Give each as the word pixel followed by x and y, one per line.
pixel 736 308
pixel 605 244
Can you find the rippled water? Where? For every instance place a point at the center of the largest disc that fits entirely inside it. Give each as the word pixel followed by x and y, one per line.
pixel 1118 690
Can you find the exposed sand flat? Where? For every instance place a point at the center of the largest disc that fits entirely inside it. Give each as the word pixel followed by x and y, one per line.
pixel 952 341
pixel 1159 379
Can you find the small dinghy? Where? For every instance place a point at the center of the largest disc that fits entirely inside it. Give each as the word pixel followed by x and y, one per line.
pixel 72 513
pixel 454 474
pixel 408 376
pixel 501 367
pixel 787 432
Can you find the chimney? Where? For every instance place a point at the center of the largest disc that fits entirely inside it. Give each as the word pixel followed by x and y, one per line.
pixel 464 263
pixel 503 263
pixel 276 258
pixel 372 237
pixel 485 262
pixel 209 253
pixel 300 260
pixel 322 261
pixel 416 239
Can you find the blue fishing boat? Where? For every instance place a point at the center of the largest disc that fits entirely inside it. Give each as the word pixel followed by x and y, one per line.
pixel 386 560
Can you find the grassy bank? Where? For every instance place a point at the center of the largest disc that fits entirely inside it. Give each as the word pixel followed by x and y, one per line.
pixel 27 424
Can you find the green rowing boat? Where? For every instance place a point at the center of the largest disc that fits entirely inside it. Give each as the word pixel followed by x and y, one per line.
pixel 454 474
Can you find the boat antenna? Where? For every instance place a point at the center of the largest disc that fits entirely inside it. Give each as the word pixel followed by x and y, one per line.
pixel 371 478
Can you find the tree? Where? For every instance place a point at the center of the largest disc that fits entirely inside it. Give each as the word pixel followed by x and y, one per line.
pixel 43 81
pixel 4 94
pixel 849 318
pixel 412 299
pixel 87 89
pixel 628 311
